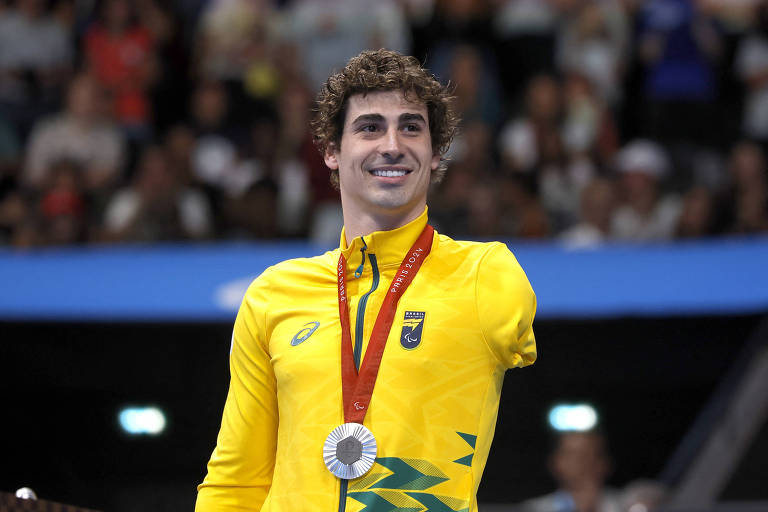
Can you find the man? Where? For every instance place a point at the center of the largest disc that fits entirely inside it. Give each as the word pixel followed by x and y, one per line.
pixel 581 466
pixel 368 378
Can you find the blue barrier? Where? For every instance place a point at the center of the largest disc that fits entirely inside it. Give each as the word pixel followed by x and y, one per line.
pixel 205 282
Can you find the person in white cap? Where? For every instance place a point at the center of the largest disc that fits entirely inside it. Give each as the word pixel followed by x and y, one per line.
pixel 645 214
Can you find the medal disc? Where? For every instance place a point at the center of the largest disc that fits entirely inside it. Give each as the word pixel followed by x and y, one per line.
pixel 349 451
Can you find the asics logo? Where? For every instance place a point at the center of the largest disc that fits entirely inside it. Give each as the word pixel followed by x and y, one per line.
pixel 304 333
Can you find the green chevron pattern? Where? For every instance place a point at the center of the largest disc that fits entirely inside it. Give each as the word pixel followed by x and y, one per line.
pixel 376 502
pixel 471 441
pixel 383 491
pixel 435 503
pixel 406 476
pixel 394 501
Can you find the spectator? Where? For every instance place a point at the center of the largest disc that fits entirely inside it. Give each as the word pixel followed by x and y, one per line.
pixel 476 90
pixel 120 54
pixel 589 137
pixel 169 65
pixel 473 148
pixel 526 30
pixel 254 213
pixel 10 151
pixel 588 128
pixel 484 212
pixel 179 143
pixel 679 46
pixel 228 32
pixel 63 207
pixel 157 206
pixel 751 65
pixel 36 55
pixel 12 205
pixel 284 173
pixel 449 200
pixel 741 204
pixel 645 214
pixel 580 464
pixel 593 41
pixel 82 133
pixel 215 156
pixel 330 32
pixel 598 202
pixel 697 214
pixel 643 496
pixel 526 141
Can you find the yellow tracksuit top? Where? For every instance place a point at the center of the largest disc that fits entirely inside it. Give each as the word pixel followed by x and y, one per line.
pixel 464 320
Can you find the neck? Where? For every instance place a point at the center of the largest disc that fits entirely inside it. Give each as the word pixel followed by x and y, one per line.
pixel 361 225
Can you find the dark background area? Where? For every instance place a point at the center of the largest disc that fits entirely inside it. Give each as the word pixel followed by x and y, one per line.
pixel 62 385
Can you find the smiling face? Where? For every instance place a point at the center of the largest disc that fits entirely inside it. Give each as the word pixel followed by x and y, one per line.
pixel 385 160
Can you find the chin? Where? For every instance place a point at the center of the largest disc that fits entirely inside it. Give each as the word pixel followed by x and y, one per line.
pixel 394 202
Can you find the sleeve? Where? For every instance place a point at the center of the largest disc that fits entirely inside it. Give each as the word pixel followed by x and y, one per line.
pixel 240 469
pixel 506 306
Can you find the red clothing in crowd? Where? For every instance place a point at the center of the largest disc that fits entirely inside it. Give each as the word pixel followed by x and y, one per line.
pixel 121 62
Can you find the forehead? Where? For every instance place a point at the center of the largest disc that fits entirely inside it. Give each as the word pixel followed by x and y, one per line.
pixel 385 103
pixel 580 441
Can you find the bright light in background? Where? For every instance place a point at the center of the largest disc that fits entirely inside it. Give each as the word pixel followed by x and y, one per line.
pixel 573 417
pixel 142 420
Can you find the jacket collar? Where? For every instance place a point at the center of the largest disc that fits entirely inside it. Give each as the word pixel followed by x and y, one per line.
pixel 388 246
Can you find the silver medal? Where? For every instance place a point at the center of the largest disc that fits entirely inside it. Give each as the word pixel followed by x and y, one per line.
pixel 349 451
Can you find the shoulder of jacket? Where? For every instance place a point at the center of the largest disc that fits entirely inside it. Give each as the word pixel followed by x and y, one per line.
pixel 468 248
pixel 297 271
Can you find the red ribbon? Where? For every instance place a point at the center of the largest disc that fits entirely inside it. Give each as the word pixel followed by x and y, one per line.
pixel 357 387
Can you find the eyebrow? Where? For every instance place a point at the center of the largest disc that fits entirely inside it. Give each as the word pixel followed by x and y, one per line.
pixel 412 117
pixel 368 118
pixel 378 118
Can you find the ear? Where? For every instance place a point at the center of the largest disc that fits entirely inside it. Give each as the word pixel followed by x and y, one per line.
pixel 435 161
pixel 331 157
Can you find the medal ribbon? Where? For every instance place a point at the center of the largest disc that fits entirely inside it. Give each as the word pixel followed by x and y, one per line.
pixel 357 388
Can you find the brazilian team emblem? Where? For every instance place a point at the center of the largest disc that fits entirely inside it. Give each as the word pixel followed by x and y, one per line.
pixel 413 325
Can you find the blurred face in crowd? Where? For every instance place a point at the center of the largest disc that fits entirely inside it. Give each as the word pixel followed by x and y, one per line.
pixel 209 104
pixel 85 100
pixel 466 70
pixel 155 177
pixel 640 189
pixel 598 203
pixel 385 158
pixel 748 165
pixel 117 14
pixel 697 213
pixel 543 98
pixel 580 460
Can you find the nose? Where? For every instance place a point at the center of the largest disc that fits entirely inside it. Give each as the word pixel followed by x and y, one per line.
pixel 391 147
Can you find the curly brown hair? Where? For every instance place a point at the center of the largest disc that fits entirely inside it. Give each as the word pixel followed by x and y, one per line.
pixel 383 70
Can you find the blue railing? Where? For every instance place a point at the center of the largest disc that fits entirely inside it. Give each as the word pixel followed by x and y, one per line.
pixel 205 282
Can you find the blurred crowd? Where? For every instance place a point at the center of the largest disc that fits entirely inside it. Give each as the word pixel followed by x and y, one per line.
pixel 583 120
pixel 580 464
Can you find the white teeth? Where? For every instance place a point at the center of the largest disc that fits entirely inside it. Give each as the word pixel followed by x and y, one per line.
pixel 388 173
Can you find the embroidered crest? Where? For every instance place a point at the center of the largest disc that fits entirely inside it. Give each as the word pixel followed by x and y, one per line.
pixel 413 325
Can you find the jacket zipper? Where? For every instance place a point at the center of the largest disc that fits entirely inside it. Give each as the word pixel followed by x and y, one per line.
pixel 359 323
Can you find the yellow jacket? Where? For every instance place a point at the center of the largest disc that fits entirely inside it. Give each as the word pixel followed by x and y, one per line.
pixel 464 320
